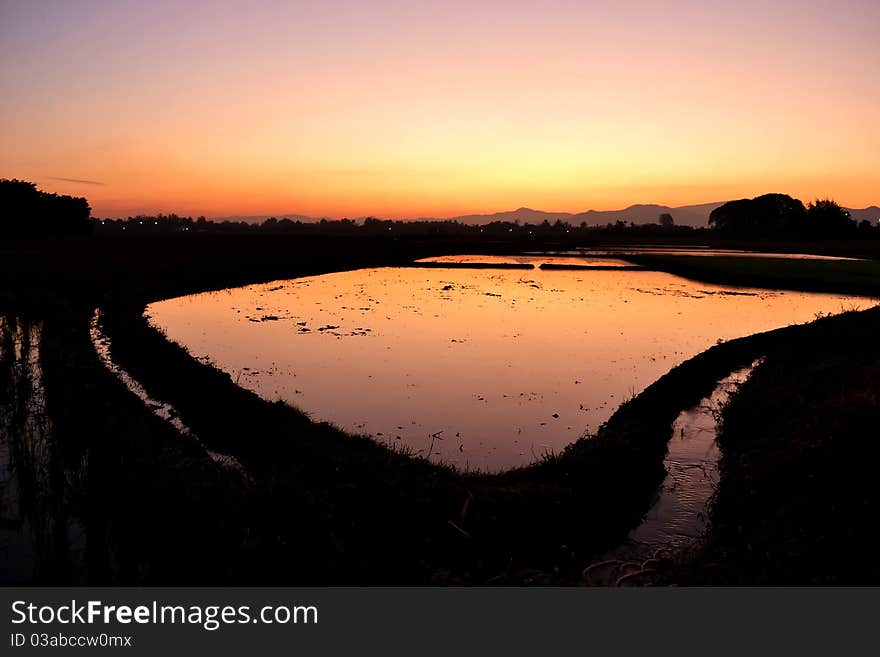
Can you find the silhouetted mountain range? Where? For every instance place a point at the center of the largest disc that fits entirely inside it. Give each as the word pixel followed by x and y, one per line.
pixel 871 213
pixel 684 215
pixel 522 215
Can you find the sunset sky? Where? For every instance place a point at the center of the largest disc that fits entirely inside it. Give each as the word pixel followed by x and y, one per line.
pixel 408 109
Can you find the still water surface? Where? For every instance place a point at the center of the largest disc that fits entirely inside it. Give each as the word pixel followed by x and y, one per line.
pixel 484 369
pixel 42 537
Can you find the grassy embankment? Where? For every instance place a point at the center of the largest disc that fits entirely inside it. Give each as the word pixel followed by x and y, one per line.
pixel 798 502
pixel 858 277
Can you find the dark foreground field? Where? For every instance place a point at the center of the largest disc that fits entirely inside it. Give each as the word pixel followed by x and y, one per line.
pixel 107 492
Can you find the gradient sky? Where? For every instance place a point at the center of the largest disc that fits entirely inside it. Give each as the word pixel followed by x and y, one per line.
pixel 405 109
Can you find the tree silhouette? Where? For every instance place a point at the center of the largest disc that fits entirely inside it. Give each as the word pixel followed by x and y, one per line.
pixel 666 220
pixel 826 217
pixel 763 216
pixel 26 212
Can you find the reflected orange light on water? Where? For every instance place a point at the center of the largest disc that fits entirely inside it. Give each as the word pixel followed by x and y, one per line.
pixel 507 364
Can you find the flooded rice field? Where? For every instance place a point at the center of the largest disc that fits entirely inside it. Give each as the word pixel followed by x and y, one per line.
pixel 482 369
pixel 40 535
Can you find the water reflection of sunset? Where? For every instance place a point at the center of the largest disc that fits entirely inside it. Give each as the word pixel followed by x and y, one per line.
pixel 507 364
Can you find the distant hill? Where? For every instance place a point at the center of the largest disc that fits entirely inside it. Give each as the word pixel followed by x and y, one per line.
pixel 684 215
pixel 871 213
pixel 523 215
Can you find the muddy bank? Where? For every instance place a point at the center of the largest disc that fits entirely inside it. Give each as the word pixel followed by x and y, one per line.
pixel 861 277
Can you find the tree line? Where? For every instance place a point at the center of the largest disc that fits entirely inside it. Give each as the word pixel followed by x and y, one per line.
pixel 26 212
pixel 163 223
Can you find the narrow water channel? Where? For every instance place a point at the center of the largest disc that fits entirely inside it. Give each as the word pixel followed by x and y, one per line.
pixel 679 516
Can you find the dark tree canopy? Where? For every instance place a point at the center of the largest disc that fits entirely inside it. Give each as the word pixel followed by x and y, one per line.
pixel 825 217
pixel 762 216
pixel 666 220
pixel 779 215
pixel 26 212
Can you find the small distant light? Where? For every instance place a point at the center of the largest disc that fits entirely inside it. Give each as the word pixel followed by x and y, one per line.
pixel 155 223
pixel 141 223
pixel 123 228
pixel 103 222
pixel 510 230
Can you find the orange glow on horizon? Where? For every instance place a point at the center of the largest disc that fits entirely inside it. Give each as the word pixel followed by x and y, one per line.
pixel 404 110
